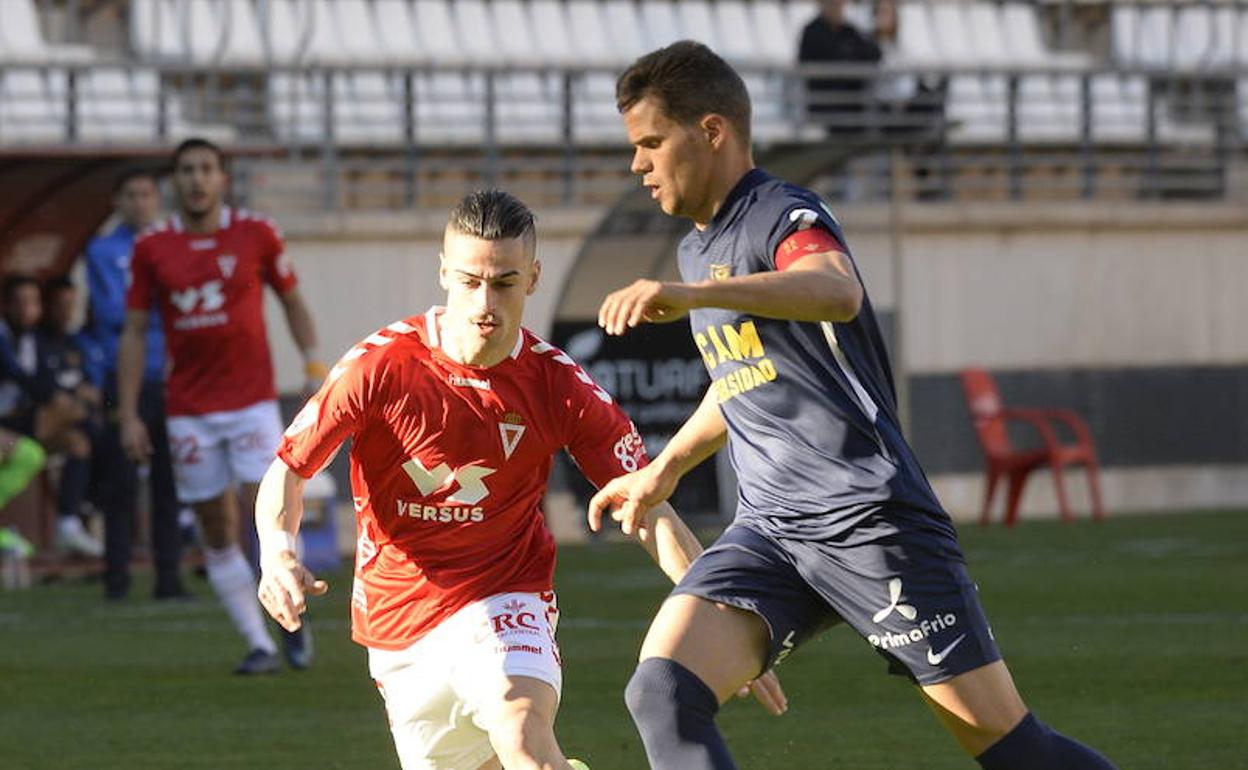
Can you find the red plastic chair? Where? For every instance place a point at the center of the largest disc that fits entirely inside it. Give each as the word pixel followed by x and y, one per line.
pixel 991 417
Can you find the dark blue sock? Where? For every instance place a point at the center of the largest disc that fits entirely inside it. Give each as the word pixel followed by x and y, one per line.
pixel 1033 745
pixel 75 475
pixel 675 711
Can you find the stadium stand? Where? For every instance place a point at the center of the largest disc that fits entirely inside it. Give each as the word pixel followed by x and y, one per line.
pixel 527 85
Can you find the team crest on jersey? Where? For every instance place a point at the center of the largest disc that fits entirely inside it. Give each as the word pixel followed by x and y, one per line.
pixel 510 430
pixel 721 272
pixel 227 263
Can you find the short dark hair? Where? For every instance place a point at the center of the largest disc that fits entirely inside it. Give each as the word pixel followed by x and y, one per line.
pixel 13 282
pixel 690 81
pixel 57 284
pixel 199 143
pixel 131 173
pixel 494 215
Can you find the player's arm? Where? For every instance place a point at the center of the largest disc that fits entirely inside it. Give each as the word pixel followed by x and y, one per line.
pixel 669 541
pixel 284 581
pixel 132 348
pixel 820 286
pixel 303 332
pixel 630 496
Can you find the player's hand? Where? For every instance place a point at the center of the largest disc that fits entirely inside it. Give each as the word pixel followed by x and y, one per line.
pixel 630 497
pixel 134 439
pixel 284 584
pixel 768 692
pixel 644 300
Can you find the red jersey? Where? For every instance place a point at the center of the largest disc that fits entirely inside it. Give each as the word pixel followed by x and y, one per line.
pixel 210 290
pixel 449 465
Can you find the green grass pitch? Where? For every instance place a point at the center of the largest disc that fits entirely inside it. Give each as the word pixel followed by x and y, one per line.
pixel 1131 635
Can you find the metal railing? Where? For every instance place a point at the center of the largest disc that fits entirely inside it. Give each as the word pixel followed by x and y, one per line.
pixel 397 135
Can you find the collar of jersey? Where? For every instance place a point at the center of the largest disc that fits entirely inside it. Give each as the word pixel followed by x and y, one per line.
pixel 751 179
pixel 223 223
pixel 433 339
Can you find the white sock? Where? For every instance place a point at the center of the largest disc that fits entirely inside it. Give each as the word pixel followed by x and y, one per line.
pixel 235 584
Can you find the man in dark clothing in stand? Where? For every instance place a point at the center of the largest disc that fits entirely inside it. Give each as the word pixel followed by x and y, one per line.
pixel 829 38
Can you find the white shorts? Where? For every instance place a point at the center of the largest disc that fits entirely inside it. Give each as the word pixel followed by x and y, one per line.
pixel 437 690
pixel 211 451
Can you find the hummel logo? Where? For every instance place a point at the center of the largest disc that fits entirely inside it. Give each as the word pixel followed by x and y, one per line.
pixel 936 658
pixel 907 611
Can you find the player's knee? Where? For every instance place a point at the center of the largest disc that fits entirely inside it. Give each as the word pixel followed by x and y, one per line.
pixel 662 695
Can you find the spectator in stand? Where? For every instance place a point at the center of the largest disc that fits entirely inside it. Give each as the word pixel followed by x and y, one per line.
pixel 136 198
pixel 840 102
pixel 31 404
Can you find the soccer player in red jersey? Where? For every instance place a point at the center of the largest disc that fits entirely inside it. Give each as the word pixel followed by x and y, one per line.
pixel 206 268
pixel 455 416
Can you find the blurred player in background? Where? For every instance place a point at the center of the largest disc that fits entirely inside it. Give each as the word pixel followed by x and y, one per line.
pixel 136 200
pixel 455 417
pixel 836 520
pixel 206 268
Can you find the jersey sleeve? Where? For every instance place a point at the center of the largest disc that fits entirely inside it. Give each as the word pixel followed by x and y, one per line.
pixel 802 230
pixel 328 418
pixel 279 273
pixel 139 295
pixel 603 442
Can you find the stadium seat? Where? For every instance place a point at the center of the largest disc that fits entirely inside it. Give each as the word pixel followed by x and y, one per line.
pixel 590 35
pixel 776 47
pixel 397 34
pixel 738 38
pixel 21 38
pixel 594 117
pixel 553 39
pixel 1142 37
pixel 527 103
pixel 1049 108
pixel 1194 43
pixel 154 30
pixel 991 419
pixel 1020 27
pixel 625 28
pixel 660 24
pixel 288 31
pixel 1119 108
pixel 357 32
pixel 110 110
pixel 450 107
pixel 243 42
pixel 916 40
pixel 977 105
pixel 696 22
pixel 32 106
pixel 435 25
pixel 203 31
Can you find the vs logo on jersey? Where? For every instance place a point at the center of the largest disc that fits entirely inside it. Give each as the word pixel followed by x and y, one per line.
pixel 429 480
pixel 207 298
